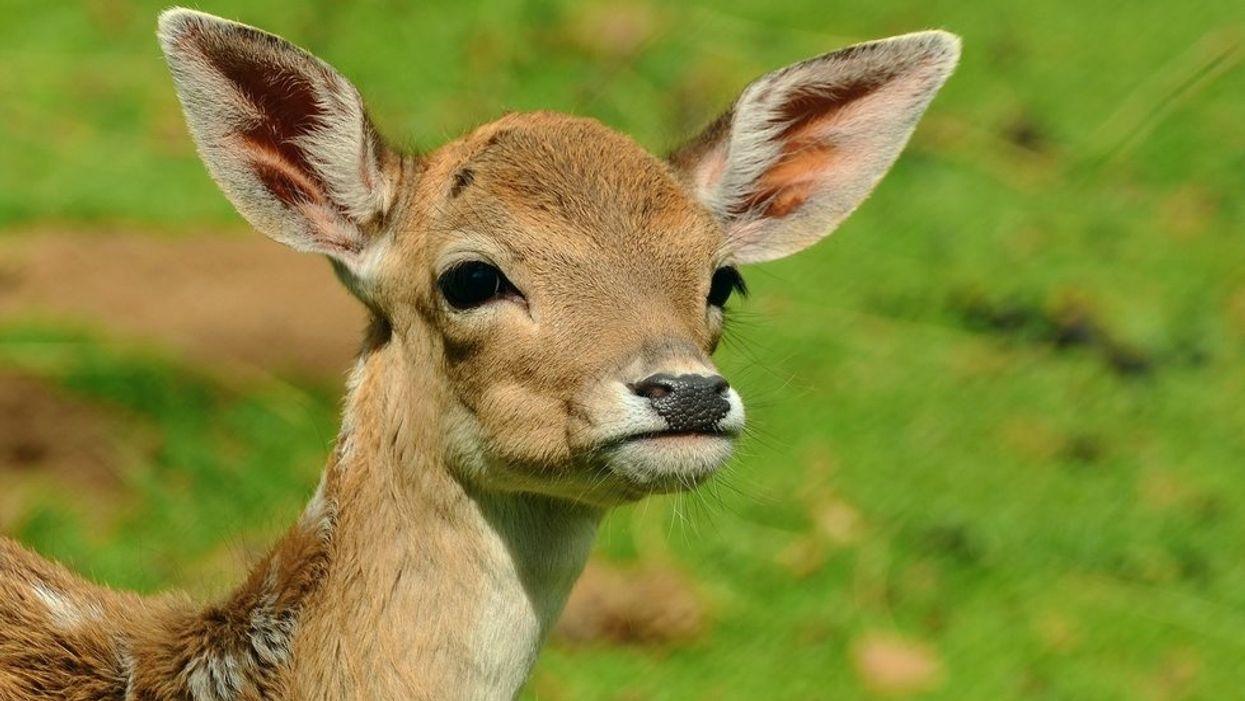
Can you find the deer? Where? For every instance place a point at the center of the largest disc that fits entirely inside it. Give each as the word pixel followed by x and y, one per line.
pixel 544 297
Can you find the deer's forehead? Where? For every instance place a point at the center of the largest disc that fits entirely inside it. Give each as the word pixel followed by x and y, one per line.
pixel 551 188
pixel 571 240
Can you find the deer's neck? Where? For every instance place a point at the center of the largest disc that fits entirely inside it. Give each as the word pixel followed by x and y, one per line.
pixel 433 588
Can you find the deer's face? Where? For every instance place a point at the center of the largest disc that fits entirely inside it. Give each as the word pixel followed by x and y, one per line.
pixel 571 286
pixel 578 290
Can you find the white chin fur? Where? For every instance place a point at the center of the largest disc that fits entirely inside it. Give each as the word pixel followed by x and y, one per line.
pixel 669 464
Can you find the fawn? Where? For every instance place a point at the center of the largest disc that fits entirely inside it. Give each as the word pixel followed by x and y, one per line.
pixel 545 296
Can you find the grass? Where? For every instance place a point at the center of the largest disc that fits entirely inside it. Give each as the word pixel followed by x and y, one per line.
pixel 999 410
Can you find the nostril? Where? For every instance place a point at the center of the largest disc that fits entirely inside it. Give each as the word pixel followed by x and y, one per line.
pixel 719 385
pixel 653 387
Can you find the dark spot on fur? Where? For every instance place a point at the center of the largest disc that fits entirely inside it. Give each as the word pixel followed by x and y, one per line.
pixel 462 179
pixel 497 137
pixel 379 333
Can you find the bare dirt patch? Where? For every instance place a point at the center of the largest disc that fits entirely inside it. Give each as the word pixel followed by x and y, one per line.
pixel 42 429
pixel 50 440
pixel 232 299
pixel 631 606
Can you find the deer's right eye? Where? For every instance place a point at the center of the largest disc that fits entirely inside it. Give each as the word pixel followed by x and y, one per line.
pixel 473 283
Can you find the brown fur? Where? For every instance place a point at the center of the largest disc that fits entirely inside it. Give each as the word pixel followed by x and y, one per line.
pixel 116 645
pixel 479 447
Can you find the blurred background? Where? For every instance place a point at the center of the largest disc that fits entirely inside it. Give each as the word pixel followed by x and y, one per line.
pixel 1001 435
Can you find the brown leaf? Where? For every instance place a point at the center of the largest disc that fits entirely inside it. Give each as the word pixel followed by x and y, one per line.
pixel 638 606
pixel 891 664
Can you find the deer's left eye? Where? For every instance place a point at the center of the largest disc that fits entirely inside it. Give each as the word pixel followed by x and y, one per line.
pixel 725 281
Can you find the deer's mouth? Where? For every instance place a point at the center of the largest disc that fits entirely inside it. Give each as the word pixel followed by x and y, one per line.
pixel 673 435
pixel 658 462
pixel 666 433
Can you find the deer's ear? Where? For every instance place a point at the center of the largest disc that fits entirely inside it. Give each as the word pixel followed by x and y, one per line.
pixel 282 133
pixel 803 146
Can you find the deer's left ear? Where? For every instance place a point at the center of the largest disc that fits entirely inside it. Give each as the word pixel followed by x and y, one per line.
pixel 803 146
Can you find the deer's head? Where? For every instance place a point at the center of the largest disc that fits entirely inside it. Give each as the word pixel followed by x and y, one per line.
pixel 563 286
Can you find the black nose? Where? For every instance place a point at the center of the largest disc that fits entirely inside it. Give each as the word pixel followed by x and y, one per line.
pixel 687 402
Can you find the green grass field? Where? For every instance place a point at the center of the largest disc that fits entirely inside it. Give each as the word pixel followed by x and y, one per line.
pixel 1000 427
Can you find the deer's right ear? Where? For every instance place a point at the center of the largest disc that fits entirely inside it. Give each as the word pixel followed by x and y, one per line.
pixel 283 134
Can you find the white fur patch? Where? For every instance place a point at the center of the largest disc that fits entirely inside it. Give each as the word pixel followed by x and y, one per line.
pixel 271 631
pixel 215 677
pixel 64 612
pixel 318 515
pixel 125 661
pixel 532 560
pixel 346 446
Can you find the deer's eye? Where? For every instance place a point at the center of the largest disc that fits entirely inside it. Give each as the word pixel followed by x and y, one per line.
pixel 725 281
pixel 473 283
